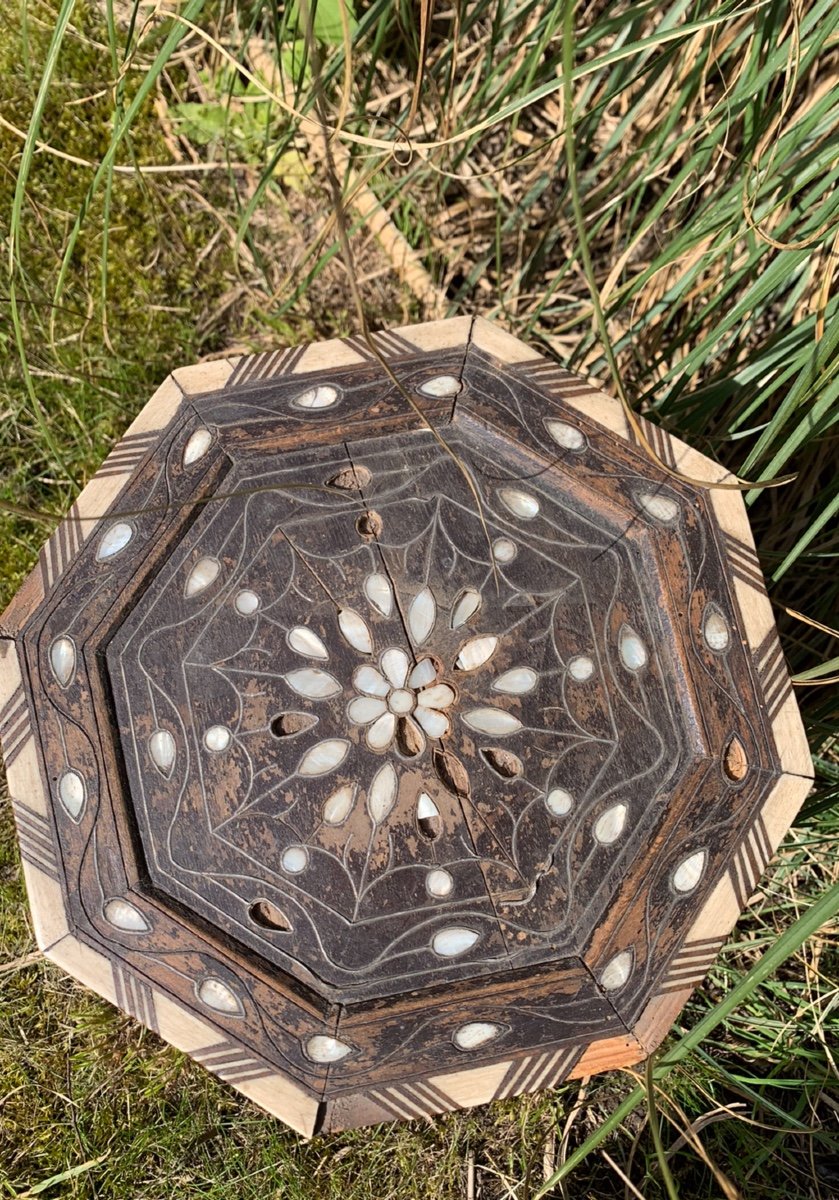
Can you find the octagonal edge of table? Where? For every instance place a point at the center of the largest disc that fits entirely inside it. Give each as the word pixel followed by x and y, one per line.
pixel 390 731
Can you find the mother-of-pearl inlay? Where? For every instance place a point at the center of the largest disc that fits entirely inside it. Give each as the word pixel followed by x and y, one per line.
pixel 217 738
pixel 217 995
pixel 63 659
pixel 122 914
pixel 632 649
pixel 197 446
pixel 559 801
pixel 453 941
pixel 441 386
pixel 295 859
pixel 317 397
pixel 610 825
pixel 114 540
pixel 715 629
pixel 662 508
pixel 72 793
pixel 476 652
pixel 203 574
pixel 476 1033
pixel 617 971
pixel 162 750
pixel 246 602
pixel 324 1049
pixel 565 435
pixel 438 883
pixel 521 504
pixel 689 871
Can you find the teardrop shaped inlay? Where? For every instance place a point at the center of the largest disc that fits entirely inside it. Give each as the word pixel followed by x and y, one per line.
pixel 197 446
pixel 382 793
pixel 162 751
pixel 339 805
pixel 689 871
pixel 72 793
pixel 305 641
pixel 324 757
pixel 428 817
pixel 521 504
pixel 715 629
pixel 421 615
pixel 610 825
pixel 323 1049
pixel 454 940
pixel 217 995
pixel 63 659
pixel 378 591
pixel 313 683
pixel 355 631
pixel 617 971
pixel 476 652
pixel 565 435
pixel 203 574
pixel 476 1033
pixel 466 605
pixel 492 720
pixel 318 397
pixel 516 681
pixel 123 915
pixel 114 540
pixel 633 652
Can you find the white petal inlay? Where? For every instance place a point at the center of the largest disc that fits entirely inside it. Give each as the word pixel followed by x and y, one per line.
pixel 616 972
pixel 438 883
pixel 609 826
pixel 565 435
pixel 124 915
pixel 219 996
pixel 559 801
pixel 313 683
pixel 318 397
pixel 466 605
pixel 63 659
pixel 453 941
pixel 306 642
pixel 492 720
pixel 427 810
pixel 423 673
pixel 337 808
pixel 246 602
pixel 475 1034
pixel 395 666
pixel 581 668
pixel 197 446
pixel 354 628
pixel 114 540
pixel 378 591
pixel 72 793
pixel 162 750
pixel 217 738
pixel 421 615
pixel 323 1049
pixel 441 385
pixel 324 757
pixel 521 504
pixel 401 701
pixel 380 734
pixel 382 793
pixel 516 681
pixel 435 724
pixel 689 871
pixel 439 696
pixel 715 629
pixel 632 649
pixel 369 680
pixel 202 575
pixel 658 506
pixel 294 859
pixel 504 550
pixel 476 652
pixel 364 709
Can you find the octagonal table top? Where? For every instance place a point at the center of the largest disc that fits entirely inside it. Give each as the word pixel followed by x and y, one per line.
pixel 391 731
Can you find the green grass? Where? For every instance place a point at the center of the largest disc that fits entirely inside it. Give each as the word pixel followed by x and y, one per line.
pixel 656 198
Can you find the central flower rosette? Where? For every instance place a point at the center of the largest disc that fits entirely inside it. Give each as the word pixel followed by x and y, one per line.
pixel 400 703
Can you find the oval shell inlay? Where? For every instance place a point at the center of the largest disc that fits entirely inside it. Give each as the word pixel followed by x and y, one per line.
pixel 565 435
pixel 324 757
pixel 323 1049
pixel 441 386
pixel 395 666
pixel 661 507
pixel 689 871
pixel 616 972
pixel 559 801
pixel 124 915
pixel 633 652
pixel 421 615
pixel 355 631
pixel 246 602
pixel 72 793
pixel 294 859
pixel 521 504
pixel 162 750
pixel 609 826
pixel 715 630
pixel 114 540
pixel 516 681
pixel 305 641
pixel 63 659
pixel 382 794
pixel 367 679
pixel 492 720
pixel 438 883
pixel 454 940
pixel 197 446
pixel 318 397
pixel 435 724
pixel 216 994
pixel 476 652
pixel 504 550
pixel 217 738
pixel 381 732
pixel 378 591
pixel 581 668
pixel 203 574
pixel 339 805
pixel 475 1034
pixel 313 683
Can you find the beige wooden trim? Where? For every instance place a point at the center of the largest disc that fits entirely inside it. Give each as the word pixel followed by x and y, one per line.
pixel 210 376
pixel 46 904
pixel 327 356
pixel 85 964
pixel 608 1055
pixel 500 344
pixel 438 335
pixel 476 1086
pixel 657 1019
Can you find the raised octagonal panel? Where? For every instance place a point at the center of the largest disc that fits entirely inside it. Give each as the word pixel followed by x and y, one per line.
pixel 394 748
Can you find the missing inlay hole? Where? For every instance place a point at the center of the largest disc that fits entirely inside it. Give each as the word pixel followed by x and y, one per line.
pixel 268 916
pixel 451 772
pixel 351 479
pixel 409 740
pixel 503 762
pixel 735 762
pixel 288 724
pixel 369 524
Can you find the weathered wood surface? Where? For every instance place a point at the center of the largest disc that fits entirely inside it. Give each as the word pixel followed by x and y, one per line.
pixel 428 759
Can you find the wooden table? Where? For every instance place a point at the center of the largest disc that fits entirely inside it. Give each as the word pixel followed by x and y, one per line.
pixel 390 731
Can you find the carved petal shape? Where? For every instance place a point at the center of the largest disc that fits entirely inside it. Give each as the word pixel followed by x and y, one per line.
pixel 715 629
pixel 313 683
pixel 294 859
pixel 204 573
pixel 381 732
pixel 317 397
pixel 378 591
pixel 370 681
pixel 72 793
pixel 395 666
pixel 306 642
pixel 565 435
pixel 428 816
pixel 466 605
pixel 324 757
pixel 217 738
pixel 435 724
pixel 423 673
pixel 689 871
pixel 216 994
pixel 382 793
pixel 339 805
pixel 364 709
pixel 354 628
pixel 609 825
pixel 521 504
pixel 246 602
pixel 632 649
pixel 439 696
pixel 197 446
pixel 476 652
pixel 114 540
pixel 421 615
pixel 441 385
pixel 661 507
pixel 516 681
pixel 504 550
pixel 454 940
pixel 162 751
pixel 124 915
pixel 63 659
pixel 616 972
pixel 438 883
pixel 475 1033
pixel 559 802
pixel 492 720
pixel 323 1049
